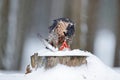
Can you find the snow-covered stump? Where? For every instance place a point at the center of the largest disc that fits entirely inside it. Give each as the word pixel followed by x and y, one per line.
pixel 50 61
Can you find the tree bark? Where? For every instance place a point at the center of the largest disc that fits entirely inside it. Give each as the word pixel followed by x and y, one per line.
pixel 91 22
pixel 4 8
pixel 117 49
pixel 76 16
pixel 72 11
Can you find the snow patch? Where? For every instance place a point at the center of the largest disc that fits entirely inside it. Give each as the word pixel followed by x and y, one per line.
pixel 75 52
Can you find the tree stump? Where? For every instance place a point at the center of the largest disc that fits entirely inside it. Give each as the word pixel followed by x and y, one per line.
pixel 51 61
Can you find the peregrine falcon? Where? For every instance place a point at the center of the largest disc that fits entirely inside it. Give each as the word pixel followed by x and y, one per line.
pixel 61 33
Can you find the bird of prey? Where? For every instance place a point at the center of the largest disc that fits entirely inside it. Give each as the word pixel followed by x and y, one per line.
pixel 61 33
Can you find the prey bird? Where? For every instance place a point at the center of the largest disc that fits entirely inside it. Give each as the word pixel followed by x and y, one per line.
pixel 61 33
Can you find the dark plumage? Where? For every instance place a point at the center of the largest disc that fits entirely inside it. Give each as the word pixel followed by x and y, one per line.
pixel 70 29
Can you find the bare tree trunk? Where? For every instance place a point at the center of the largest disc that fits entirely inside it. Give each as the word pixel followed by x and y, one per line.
pixel 24 20
pixel 4 6
pixel 76 9
pixel 19 20
pixel 91 22
pixel 117 49
pixel 73 12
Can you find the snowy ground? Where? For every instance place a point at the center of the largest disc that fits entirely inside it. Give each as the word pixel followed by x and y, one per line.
pixel 94 70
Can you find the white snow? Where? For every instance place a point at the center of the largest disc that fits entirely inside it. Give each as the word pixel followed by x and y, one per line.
pixel 75 52
pixel 16 76
pixel 94 70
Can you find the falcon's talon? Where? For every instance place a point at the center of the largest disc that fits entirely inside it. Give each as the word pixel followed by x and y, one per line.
pixel 63 46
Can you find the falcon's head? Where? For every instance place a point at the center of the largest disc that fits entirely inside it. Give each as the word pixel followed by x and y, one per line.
pixel 62 27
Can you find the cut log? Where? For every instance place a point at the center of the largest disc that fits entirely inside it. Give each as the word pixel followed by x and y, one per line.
pixel 51 61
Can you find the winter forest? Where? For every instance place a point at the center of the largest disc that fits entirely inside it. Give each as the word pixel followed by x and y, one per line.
pixel 97 31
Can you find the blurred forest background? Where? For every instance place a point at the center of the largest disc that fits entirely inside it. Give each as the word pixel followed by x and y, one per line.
pixel 97 28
